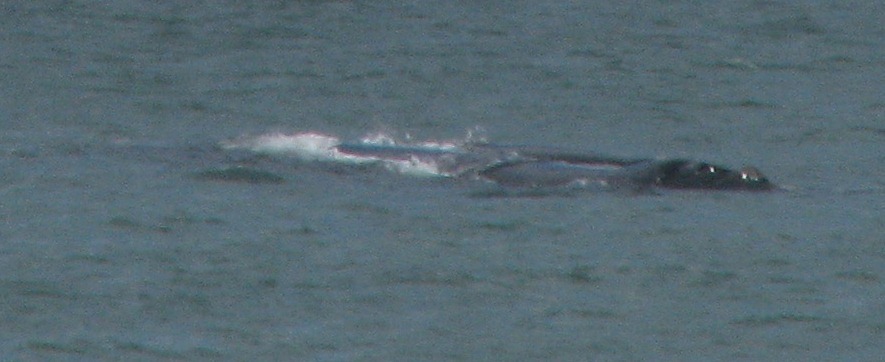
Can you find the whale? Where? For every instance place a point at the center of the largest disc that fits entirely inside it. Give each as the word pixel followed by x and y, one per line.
pixel 540 167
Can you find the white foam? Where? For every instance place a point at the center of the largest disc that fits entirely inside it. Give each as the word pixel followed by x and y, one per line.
pixel 278 143
pixel 314 146
pixel 309 146
pixel 415 167
pixel 380 139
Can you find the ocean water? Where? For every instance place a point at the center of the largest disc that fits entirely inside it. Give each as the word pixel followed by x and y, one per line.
pixel 125 233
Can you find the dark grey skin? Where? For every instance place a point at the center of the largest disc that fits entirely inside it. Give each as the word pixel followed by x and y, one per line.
pixel 518 166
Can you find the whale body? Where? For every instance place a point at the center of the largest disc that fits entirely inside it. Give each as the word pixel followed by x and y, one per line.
pixel 526 166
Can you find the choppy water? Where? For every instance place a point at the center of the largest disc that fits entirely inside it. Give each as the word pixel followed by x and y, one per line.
pixel 119 242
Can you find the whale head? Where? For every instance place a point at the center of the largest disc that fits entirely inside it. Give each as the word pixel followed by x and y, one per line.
pixel 684 174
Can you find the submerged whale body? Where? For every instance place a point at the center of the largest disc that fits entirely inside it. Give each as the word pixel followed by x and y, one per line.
pixel 517 166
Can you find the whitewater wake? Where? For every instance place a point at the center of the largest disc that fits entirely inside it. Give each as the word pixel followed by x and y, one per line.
pixel 314 146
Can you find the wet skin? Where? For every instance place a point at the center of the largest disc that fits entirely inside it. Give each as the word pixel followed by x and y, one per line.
pixel 682 174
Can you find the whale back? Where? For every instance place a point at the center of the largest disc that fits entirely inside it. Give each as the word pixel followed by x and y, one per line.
pixel 528 166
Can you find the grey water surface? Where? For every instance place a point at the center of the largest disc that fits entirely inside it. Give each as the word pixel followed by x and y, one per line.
pixel 125 234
